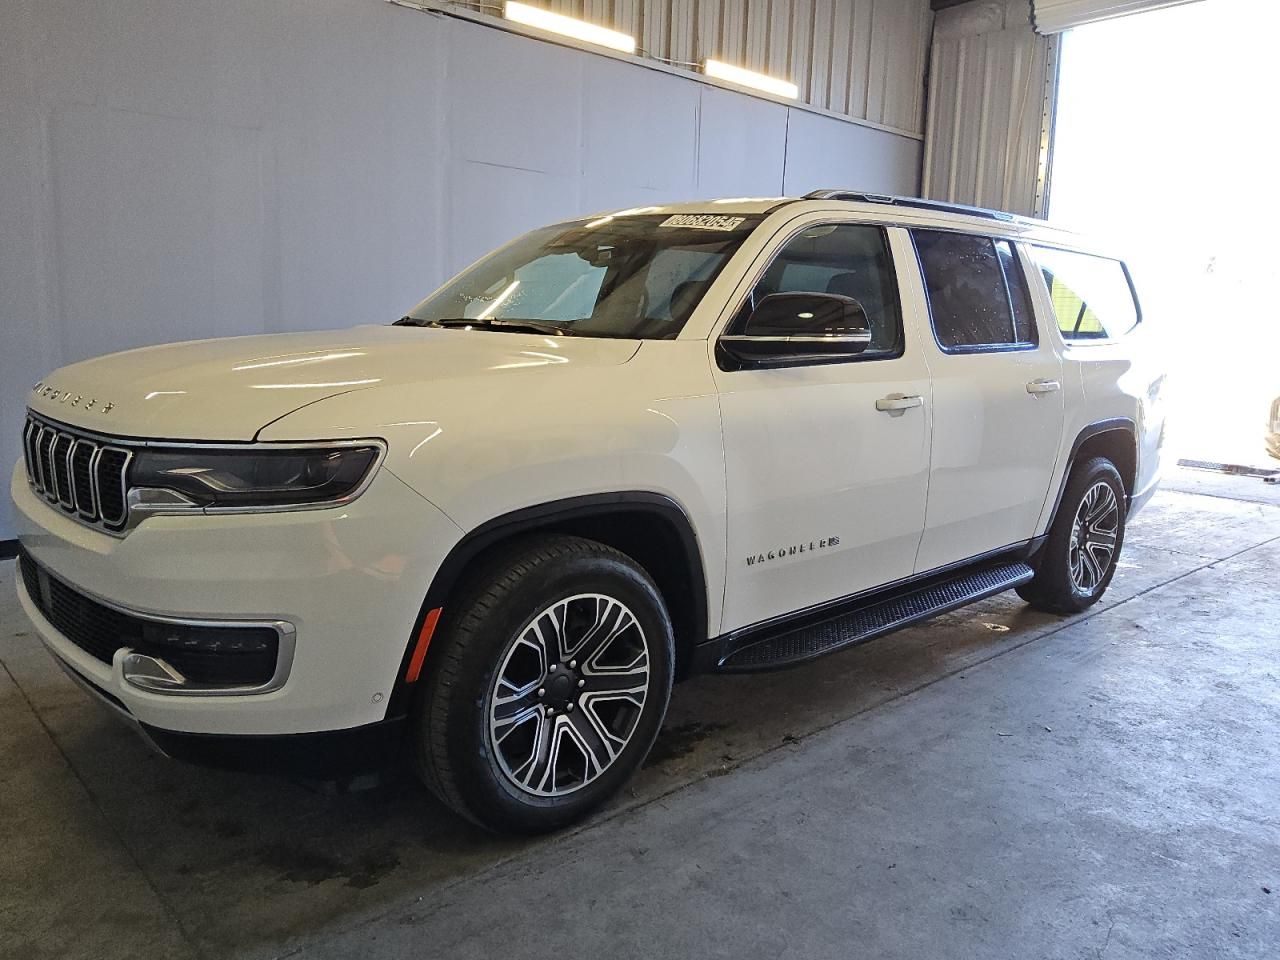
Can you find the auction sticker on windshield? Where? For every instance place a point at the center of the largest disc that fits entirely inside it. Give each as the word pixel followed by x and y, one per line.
pixel 703 221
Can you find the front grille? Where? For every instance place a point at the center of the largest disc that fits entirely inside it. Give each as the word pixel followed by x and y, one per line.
pixel 230 656
pixel 81 474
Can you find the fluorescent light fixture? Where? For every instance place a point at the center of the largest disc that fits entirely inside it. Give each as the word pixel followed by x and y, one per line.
pixel 749 78
pixel 568 26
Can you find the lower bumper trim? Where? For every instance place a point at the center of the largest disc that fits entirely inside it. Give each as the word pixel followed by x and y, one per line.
pixel 324 755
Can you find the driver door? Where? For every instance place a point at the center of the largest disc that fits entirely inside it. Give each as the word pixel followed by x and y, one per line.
pixel 826 462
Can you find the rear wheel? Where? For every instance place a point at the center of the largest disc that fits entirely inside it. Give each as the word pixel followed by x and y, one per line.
pixel 549 685
pixel 1079 558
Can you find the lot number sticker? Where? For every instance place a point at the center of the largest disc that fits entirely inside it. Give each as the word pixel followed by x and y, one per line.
pixel 703 221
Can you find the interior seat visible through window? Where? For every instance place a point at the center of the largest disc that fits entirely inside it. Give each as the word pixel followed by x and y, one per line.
pixel 850 260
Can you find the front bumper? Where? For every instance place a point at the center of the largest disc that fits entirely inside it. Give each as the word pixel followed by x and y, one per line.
pixel 349 580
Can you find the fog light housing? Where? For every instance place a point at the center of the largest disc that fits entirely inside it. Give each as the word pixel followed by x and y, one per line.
pixel 201 658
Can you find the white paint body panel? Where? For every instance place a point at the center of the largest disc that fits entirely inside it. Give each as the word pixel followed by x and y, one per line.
pixel 809 460
pixel 995 446
pixel 228 389
pixel 479 424
pixel 351 580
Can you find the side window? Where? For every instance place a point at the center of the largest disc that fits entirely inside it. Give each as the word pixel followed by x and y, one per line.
pixel 978 296
pixel 1091 295
pixel 851 260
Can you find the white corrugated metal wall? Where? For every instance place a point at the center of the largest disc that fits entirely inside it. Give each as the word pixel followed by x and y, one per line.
pixel 991 90
pixel 823 46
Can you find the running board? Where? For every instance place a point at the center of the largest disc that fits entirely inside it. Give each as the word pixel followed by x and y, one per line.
pixel 874 618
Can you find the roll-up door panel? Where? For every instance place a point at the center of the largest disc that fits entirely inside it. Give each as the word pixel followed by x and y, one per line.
pixel 1054 16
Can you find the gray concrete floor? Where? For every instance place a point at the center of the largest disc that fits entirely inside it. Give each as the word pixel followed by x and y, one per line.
pixel 997 783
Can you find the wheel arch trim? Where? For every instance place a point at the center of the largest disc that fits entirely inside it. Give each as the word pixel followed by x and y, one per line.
pixel 1124 425
pixel 547 515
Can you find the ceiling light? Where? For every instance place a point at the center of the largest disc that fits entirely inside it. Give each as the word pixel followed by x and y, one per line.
pixel 568 26
pixel 749 78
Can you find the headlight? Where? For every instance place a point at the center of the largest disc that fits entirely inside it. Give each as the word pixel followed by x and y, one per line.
pixel 252 478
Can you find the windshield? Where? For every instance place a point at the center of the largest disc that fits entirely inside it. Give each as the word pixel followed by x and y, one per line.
pixel 620 276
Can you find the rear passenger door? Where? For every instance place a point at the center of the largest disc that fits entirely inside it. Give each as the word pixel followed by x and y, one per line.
pixel 997 398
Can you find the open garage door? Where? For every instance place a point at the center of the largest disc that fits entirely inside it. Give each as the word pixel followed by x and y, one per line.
pixel 993 79
pixel 1054 16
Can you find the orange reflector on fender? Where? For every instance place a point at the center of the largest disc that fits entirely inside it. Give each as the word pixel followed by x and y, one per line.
pixel 424 641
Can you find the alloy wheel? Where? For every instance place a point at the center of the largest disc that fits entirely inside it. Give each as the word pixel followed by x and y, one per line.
pixel 1094 536
pixel 568 694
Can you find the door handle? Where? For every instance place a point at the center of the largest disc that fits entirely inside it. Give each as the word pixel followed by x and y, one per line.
pixel 896 402
pixel 1043 386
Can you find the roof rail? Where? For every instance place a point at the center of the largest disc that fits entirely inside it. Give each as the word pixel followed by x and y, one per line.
pixel 859 197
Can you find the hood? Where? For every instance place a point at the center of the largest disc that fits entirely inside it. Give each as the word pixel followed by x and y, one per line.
pixel 230 389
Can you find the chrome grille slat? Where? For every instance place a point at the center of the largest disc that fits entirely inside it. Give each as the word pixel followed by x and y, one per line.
pixel 44 464
pixel 29 446
pixel 61 455
pixel 113 462
pixel 86 452
pixel 80 474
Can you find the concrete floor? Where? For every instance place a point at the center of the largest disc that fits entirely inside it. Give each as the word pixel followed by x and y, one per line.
pixel 997 783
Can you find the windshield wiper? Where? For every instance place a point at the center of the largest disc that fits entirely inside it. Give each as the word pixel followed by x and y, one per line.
pixel 490 323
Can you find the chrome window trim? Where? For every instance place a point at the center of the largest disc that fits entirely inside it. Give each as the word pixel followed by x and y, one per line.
pixel 861 337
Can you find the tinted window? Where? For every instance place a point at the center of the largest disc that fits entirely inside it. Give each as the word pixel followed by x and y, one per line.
pixel 1024 318
pixel 846 259
pixel 977 294
pixel 1091 296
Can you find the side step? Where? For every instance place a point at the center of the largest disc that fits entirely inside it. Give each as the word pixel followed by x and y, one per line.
pixel 874 618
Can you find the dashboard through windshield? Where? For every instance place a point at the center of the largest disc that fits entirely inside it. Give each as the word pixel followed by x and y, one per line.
pixel 628 276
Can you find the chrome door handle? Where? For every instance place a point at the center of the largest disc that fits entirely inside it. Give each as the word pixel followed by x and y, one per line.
pixel 896 402
pixel 1043 386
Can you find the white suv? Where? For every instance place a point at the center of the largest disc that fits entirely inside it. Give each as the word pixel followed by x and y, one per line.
pixel 726 436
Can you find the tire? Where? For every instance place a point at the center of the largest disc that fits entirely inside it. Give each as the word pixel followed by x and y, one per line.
pixel 497 699
pixel 1078 559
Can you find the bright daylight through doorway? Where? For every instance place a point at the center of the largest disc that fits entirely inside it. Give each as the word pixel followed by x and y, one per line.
pixel 1164 143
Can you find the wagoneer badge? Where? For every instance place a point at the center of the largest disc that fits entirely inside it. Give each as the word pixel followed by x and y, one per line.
pixel 793 550
pixel 74 399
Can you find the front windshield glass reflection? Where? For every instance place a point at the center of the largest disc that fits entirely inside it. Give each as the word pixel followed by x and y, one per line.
pixel 622 276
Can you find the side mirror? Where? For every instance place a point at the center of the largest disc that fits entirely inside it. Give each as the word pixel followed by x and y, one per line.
pixel 799 327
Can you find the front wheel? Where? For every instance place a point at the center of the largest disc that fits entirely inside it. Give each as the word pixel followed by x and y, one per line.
pixel 549 685
pixel 1079 557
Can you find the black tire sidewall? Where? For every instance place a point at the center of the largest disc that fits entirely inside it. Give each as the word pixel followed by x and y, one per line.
pixel 487 793
pixel 1055 573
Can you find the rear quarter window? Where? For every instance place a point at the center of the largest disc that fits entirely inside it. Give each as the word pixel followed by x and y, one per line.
pixel 1091 295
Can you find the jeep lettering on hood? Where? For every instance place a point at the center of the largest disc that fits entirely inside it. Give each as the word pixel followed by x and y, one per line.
pixel 234 387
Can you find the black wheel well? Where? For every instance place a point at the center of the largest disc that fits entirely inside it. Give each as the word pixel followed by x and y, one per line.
pixel 1114 439
pixel 650 528
pixel 654 542
pixel 1118 446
